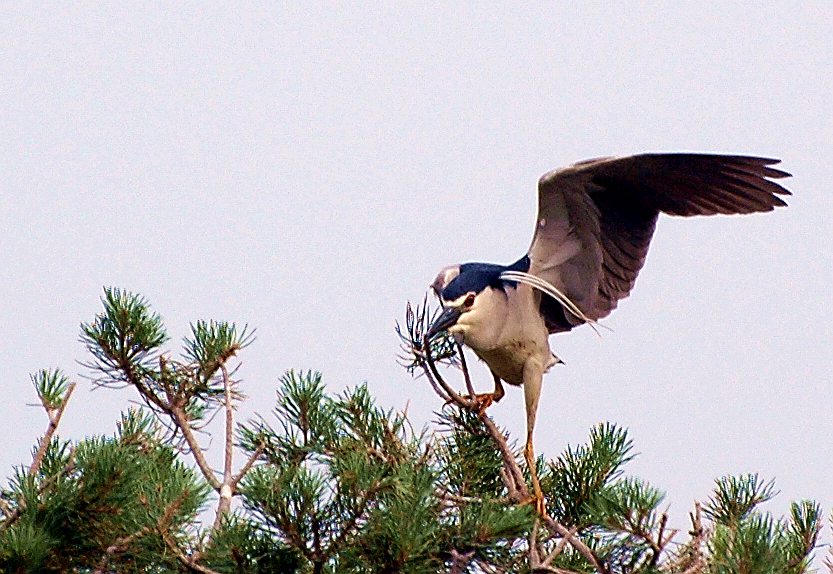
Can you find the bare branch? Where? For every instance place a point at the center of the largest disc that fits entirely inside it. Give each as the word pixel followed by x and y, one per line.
pixel 229 446
pixel 576 543
pixel 181 421
pixel 466 375
pixel 227 487
pixel 534 555
pixel 559 548
pixel 696 562
pixel 513 470
pixel 432 371
pixel 249 463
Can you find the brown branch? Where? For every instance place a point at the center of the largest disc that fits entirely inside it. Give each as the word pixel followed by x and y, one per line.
pixel 133 378
pixel 513 470
pixel 189 563
pixel 534 554
pixel 246 467
pixel 181 421
pixel 451 498
pixel 437 389
pixel 464 367
pixel 432 371
pixel 510 484
pixel 576 543
pixel 697 562
pixel 509 462
pixel 119 545
pixel 227 486
pixel 229 446
pixel 54 414
pixel 559 547
pixel 657 545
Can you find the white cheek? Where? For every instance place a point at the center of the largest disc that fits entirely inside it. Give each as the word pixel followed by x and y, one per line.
pixel 470 317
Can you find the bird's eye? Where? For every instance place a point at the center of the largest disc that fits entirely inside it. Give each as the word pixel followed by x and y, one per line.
pixel 470 300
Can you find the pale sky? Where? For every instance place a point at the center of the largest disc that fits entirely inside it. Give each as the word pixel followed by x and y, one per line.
pixel 307 169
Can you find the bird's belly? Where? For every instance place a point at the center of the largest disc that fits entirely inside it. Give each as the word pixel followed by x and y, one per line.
pixel 508 361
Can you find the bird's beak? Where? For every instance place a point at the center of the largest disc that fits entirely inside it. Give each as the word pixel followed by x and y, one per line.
pixel 448 317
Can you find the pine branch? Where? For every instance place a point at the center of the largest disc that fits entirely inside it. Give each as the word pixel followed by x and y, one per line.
pixel 247 466
pixel 229 446
pixel 163 528
pixel 562 530
pixel 44 486
pixel 181 421
pixel 227 487
pixel 54 412
pixel 692 558
pixel 348 527
pixel 465 369
pixel 118 546
pixel 559 548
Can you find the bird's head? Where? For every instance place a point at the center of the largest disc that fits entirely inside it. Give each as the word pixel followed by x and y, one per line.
pixel 463 292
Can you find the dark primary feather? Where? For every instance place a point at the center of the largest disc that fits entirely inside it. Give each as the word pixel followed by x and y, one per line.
pixel 596 218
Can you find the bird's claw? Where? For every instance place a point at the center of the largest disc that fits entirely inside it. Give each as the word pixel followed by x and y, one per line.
pixel 480 402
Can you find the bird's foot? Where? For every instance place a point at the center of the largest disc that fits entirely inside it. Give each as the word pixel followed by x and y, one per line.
pixel 481 402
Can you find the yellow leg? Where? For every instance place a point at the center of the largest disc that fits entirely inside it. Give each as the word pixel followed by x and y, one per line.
pixel 538 494
pixel 499 392
pixel 533 377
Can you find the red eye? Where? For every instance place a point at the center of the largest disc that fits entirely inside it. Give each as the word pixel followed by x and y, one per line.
pixel 470 300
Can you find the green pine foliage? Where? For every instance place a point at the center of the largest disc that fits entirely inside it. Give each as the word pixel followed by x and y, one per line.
pixel 747 540
pixel 334 483
pixel 103 502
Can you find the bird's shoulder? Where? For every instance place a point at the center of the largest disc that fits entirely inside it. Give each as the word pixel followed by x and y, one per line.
pixel 580 169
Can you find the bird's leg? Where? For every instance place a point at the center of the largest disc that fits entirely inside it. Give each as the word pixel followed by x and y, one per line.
pixel 499 392
pixel 533 376
pixel 479 401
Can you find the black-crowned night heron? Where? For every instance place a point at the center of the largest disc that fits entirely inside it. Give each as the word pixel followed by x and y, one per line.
pixel 595 221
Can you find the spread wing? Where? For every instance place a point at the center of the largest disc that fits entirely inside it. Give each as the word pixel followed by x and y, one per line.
pixel 596 218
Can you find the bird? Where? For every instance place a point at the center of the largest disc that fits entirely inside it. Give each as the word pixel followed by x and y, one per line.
pixel 594 225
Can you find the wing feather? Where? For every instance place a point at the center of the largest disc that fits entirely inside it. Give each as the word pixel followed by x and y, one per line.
pixel 596 218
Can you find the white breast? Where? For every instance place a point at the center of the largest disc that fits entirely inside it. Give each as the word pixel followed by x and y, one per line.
pixel 506 331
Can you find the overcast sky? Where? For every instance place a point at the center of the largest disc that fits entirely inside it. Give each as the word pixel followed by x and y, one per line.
pixel 307 169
